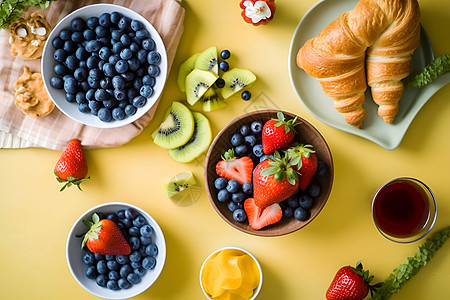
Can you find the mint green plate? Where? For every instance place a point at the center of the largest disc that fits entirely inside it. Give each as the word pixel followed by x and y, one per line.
pixel 320 106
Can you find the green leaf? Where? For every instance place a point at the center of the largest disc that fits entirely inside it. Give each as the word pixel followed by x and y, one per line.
pixel 269 171
pixel 430 72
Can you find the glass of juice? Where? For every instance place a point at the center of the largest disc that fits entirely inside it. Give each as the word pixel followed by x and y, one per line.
pixel 404 210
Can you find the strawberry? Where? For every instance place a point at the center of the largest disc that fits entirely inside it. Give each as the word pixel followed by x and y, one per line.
pixel 257 12
pixel 71 167
pixel 278 134
pixel 304 161
pixel 274 180
pixel 104 237
pixel 351 283
pixel 231 167
pixel 259 218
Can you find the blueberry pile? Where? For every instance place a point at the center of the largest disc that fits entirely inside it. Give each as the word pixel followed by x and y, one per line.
pixel 107 65
pixel 248 142
pixel 117 272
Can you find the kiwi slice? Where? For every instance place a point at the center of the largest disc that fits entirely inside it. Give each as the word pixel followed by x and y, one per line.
pixel 211 101
pixel 185 68
pixel 177 128
pixel 179 183
pixel 197 83
pixel 235 80
pixel 207 60
pixel 199 142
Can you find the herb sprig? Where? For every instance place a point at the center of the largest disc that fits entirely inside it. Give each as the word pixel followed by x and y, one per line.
pixel 434 69
pixel 10 10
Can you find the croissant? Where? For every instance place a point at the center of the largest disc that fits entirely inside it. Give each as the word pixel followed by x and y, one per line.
pixel 371 44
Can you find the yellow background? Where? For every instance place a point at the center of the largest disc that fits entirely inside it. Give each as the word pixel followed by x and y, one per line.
pixel 36 218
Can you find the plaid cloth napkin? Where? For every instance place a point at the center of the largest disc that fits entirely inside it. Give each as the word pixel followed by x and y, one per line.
pixel 55 130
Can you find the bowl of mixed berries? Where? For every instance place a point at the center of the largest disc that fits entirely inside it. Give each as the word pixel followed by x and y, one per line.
pixel 268 173
pixel 116 250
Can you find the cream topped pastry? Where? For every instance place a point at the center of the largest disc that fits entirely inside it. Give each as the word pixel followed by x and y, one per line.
pixel 31 96
pixel 257 11
pixel 28 35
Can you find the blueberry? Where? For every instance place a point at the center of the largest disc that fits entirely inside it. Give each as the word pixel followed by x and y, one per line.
pixel 148 80
pixel 242 150
pixel 112 285
pixel 220 83
pixel 113 59
pixel 92 22
pixel 80 74
pixel 88 258
pixel 70 46
pixel 153 70
pixel 60 55
pixel 90 95
pixel 112 265
pixel 305 201
pixel 84 85
pixel 301 214
pixel 133 64
pixel 136 25
pixel 133 278
pixel 145 240
pixel 84 107
pixel 122 259
pixel 146 230
pixel 256 127
pixel 69 97
pixel 237 139
pixel 223 195
pixel 132 92
pixel 134 243
pixel 146 91
pixel 239 215
pixel 93 46
pixel 77 37
pixel 57 43
pixel 123 283
pixel 224 66
pixel 247 187
pixel 105 82
pixel 220 183
pixel 142 34
pixel 91 272
pixel 72 62
pixel 113 275
pixel 134 47
pixel 225 54
pixel 314 190
pixel 321 168
pixel 125 39
pixel 101 31
pixel 104 53
pixel 118 83
pixel 292 201
pixel 258 150
pixel 154 57
pixel 288 211
pixel 70 85
pixel 246 95
pixel 99 256
pixel 118 113
pixel 130 110
pixel 135 256
pixel 128 76
pixel 232 206
pixel 57 82
pixel 88 35
pixel 151 250
pixel 101 280
pixel 265 156
pixel 121 214
pixel 148 44
pixel 238 197
pixel 101 94
pixel 65 34
pixel 121 66
pixel 251 140
pixel 125 270
pixel 104 114
pixel 149 262
pixel 102 268
pixel 92 61
pixel 81 53
pixel 233 186
pixel 115 17
pixel 105 20
pixel 127 222
pixel 139 101
pixel 134 231
pixel 126 53
pixel 141 55
pixel 120 95
pixel 139 271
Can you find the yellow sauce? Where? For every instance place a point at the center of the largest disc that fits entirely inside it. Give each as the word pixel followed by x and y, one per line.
pixel 230 274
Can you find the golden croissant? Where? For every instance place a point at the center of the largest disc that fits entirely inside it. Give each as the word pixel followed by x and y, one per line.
pixel 371 44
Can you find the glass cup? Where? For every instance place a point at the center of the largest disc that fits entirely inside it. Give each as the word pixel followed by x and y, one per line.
pixel 404 210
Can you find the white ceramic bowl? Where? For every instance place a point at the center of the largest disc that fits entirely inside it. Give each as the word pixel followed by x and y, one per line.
pixel 258 288
pixel 77 267
pixel 58 96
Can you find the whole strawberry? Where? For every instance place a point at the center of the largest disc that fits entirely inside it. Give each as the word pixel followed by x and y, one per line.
pixel 278 134
pixel 274 180
pixel 304 160
pixel 104 237
pixel 351 283
pixel 71 167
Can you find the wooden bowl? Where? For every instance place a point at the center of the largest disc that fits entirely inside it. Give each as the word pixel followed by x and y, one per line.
pixel 306 134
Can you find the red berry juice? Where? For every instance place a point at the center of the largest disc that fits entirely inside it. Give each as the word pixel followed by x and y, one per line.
pixel 401 209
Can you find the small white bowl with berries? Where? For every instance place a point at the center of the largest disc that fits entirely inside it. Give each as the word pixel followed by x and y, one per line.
pixel 268 173
pixel 116 250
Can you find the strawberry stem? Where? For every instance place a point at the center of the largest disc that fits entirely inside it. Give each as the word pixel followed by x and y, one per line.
pixel 280 169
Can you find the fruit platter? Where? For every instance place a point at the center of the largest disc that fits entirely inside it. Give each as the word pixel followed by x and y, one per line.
pixel 248 149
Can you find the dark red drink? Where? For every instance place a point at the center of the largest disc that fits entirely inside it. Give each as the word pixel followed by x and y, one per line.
pixel 401 208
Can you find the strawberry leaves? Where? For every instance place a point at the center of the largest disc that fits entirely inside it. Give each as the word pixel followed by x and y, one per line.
pixel 280 168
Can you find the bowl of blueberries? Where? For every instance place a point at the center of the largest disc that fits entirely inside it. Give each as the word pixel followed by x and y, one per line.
pixel 118 276
pixel 243 136
pixel 104 65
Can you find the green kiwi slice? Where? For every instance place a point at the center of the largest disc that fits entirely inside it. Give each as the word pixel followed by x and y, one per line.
pixel 235 80
pixel 199 142
pixel 179 183
pixel 197 83
pixel 177 128
pixel 185 68
pixel 211 101
pixel 207 60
